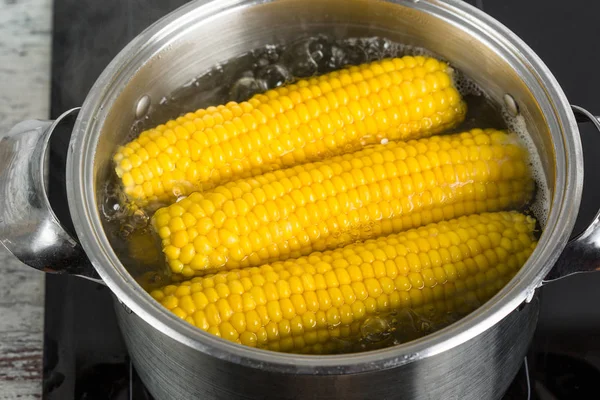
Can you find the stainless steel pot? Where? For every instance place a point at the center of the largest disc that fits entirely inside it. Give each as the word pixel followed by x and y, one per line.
pixel 475 358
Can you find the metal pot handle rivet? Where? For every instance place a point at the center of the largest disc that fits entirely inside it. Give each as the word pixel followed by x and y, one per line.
pixel 29 229
pixel 582 253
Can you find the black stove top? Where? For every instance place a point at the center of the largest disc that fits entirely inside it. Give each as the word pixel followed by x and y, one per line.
pixel 84 356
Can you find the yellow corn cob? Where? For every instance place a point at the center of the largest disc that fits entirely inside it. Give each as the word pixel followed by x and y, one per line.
pixel 401 98
pixel 301 305
pixel 316 206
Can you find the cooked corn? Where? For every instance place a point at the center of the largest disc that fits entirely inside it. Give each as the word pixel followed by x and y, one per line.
pixel 316 206
pixel 400 98
pixel 300 305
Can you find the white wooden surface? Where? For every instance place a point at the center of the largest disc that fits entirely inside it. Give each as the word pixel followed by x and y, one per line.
pixel 25 49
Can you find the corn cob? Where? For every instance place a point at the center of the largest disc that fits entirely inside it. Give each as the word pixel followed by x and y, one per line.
pixel 301 305
pixel 401 98
pixel 376 191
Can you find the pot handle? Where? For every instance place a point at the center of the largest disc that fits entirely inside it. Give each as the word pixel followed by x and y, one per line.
pixel 582 253
pixel 29 229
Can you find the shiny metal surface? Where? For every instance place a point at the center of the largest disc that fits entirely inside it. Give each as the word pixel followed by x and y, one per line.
pixel 511 105
pixel 479 369
pixel 174 50
pixel 28 227
pixel 473 358
pixel 142 106
pixel 582 254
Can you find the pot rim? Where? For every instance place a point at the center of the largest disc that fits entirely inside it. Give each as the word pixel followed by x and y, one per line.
pixel 563 210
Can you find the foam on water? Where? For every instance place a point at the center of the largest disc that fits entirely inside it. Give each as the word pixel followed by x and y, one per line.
pixel 540 206
pixel 465 86
pixel 516 124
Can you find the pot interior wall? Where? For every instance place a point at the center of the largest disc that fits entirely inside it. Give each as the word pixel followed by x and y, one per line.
pixel 203 38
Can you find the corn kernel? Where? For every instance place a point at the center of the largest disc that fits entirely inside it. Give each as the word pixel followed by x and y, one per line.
pixel 205 148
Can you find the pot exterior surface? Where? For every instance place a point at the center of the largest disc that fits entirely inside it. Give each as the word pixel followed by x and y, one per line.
pixel 479 369
pixel 476 357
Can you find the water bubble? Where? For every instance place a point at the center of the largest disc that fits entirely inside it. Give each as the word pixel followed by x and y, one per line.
pixel 274 75
pixel 139 219
pixel 425 325
pixel 245 88
pixel 267 55
pixel 111 207
pixel 317 56
pixel 273 53
pixel 354 54
pixel 262 62
pixel 125 231
pixel 338 58
pixel 189 83
pixel 375 329
pixel 316 44
pixel 299 61
pixel 410 315
pixel 378 48
pixel 328 54
pixel 320 51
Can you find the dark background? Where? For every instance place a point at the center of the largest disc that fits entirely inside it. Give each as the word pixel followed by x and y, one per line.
pixel 564 35
pixel 81 341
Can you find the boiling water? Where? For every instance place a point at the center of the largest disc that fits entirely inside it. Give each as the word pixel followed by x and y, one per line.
pixel 267 68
